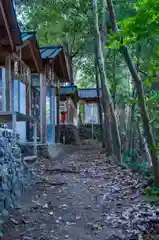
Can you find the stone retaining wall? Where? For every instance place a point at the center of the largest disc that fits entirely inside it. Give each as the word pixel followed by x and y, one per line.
pixel 71 134
pixel 14 176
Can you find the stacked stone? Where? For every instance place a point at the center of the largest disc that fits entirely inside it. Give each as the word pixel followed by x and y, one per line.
pixel 14 175
pixel 70 133
pixel 85 131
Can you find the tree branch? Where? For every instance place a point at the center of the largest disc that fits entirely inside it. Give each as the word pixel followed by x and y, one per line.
pixel 77 51
pixel 146 74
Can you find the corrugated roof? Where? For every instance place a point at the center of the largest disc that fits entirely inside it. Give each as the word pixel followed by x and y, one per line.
pixel 27 35
pixel 50 52
pixel 88 93
pixel 68 90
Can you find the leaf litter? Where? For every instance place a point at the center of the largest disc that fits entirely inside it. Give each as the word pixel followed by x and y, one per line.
pixel 99 201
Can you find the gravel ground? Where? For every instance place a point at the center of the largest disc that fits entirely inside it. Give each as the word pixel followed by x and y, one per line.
pixel 81 196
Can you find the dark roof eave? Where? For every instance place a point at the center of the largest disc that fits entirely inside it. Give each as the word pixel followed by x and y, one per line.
pixel 16 23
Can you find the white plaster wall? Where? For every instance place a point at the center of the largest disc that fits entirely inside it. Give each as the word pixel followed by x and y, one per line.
pixel 16 99
pixel 92 113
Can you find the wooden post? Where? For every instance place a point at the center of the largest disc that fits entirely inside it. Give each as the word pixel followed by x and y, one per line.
pixel 58 112
pixel 3 89
pixel 35 137
pixel 11 94
pixel 14 120
pixel 68 110
pixel 84 111
pixel 52 108
pixel 28 94
pixel 42 108
pixel 78 114
pixel 8 77
pixel 51 104
pixel 28 102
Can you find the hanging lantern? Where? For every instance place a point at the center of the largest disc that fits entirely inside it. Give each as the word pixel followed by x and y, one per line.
pixel 53 75
pixel 28 71
pixel 49 77
pixel 15 67
pixel 47 71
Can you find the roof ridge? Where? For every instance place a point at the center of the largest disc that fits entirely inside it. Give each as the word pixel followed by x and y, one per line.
pixel 51 46
pixel 69 86
pixel 29 32
pixel 86 89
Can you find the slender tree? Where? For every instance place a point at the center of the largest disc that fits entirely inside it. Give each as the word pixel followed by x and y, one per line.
pixel 105 91
pixel 104 103
pixel 103 138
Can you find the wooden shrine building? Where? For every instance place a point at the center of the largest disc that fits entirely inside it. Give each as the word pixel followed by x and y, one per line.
pixel 10 38
pixel 88 105
pixel 57 73
pixel 30 79
pixel 18 59
pixel 68 104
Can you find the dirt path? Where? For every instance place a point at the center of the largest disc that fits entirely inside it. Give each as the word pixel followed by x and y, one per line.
pixel 79 196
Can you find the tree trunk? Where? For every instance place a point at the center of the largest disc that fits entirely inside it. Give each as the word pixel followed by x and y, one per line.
pixel 99 103
pixel 132 113
pixel 114 88
pixel 106 94
pixel 140 92
pixel 68 51
pixel 105 105
pixel 106 112
pixel 144 146
pixel 131 124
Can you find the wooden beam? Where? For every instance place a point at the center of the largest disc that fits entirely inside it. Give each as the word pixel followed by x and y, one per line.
pixel 67 66
pixel 92 100
pixel 61 63
pixel 25 43
pixel 7 25
pixel 34 57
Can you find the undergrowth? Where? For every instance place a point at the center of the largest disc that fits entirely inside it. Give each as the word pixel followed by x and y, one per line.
pixel 130 160
pixel 150 193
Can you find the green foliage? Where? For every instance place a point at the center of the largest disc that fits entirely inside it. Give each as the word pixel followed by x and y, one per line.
pixel 143 22
pixel 85 73
pixel 142 168
pixel 68 23
pixel 151 191
pixel 130 100
pixel 81 108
